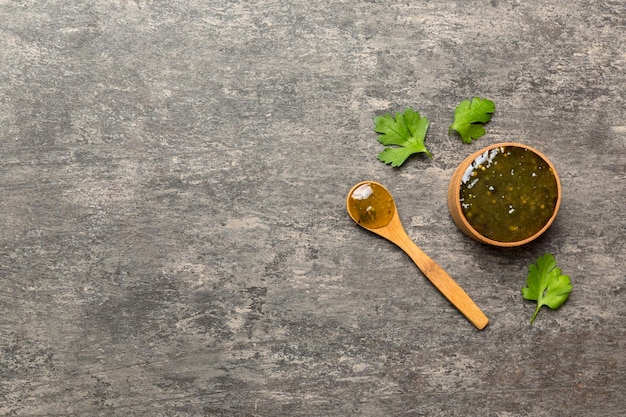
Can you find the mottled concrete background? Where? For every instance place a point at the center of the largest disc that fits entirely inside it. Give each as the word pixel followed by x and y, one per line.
pixel 173 235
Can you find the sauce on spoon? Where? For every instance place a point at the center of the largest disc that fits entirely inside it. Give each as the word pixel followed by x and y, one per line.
pixel 371 205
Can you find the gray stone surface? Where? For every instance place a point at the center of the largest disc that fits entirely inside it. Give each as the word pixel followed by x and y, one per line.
pixel 173 235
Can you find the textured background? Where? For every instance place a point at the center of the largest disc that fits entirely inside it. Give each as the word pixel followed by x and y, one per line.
pixel 173 235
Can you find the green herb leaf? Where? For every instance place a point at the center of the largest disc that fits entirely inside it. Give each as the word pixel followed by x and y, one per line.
pixel 406 133
pixel 546 285
pixel 469 116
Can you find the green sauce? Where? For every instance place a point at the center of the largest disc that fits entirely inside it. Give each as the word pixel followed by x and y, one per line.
pixel 371 205
pixel 508 194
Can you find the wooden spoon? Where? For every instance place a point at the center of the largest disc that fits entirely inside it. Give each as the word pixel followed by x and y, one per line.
pixel 372 207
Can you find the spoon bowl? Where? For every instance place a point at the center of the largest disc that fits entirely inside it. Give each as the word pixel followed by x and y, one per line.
pixel 372 207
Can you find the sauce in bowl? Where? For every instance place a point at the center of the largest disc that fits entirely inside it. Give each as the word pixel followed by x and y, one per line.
pixel 508 193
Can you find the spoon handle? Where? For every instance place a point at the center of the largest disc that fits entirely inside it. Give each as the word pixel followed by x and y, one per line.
pixel 443 282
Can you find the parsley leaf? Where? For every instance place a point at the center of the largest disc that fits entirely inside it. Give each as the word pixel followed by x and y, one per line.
pixel 546 285
pixel 406 131
pixel 469 116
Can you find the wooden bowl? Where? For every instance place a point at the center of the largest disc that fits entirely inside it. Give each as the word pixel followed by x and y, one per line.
pixel 506 194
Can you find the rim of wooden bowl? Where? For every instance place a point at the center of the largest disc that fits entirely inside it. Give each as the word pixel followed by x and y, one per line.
pixel 454 202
